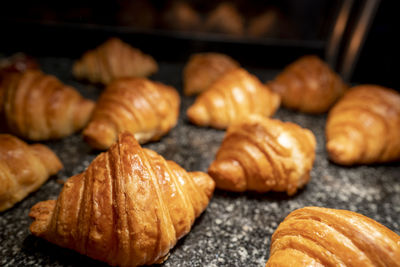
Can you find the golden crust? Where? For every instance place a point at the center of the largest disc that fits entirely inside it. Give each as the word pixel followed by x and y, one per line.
pixel 111 60
pixel 203 69
pixel 23 169
pixel 308 85
pixel 128 208
pixel 231 98
pixel 142 107
pixel 263 154
pixel 314 236
pixel 39 107
pixel 364 126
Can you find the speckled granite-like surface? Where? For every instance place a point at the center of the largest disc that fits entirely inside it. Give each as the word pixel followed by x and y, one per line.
pixel 235 229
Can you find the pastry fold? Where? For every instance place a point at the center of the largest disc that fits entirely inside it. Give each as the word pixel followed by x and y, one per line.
pixel 231 98
pixel 128 208
pixel 364 126
pixel 263 154
pixel 23 169
pixel 111 60
pixel 308 85
pixel 142 107
pixel 203 69
pixel 39 107
pixel 314 236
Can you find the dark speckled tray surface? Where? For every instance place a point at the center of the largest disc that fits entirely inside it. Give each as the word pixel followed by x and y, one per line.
pixel 235 230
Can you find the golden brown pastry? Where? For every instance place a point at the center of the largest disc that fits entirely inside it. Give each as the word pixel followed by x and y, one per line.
pixel 23 169
pixel 364 126
pixel 142 107
pixel 128 208
pixel 264 24
pixel 181 16
pixel 17 63
pixel 111 60
pixel 314 236
pixel 39 107
pixel 308 85
pixel 225 18
pixel 263 154
pixel 203 69
pixel 233 96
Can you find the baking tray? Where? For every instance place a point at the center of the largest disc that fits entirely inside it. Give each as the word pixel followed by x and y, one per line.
pixel 236 228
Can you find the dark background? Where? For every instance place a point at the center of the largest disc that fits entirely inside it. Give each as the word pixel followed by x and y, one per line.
pixel 68 28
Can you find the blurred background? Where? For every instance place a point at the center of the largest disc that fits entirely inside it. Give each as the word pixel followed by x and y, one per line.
pixel 357 38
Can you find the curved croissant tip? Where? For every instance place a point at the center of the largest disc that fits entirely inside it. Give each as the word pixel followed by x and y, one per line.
pixel 100 135
pixel 228 175
pixel 204 181
pixel 41 213
pixel 342 151
pixel 198 114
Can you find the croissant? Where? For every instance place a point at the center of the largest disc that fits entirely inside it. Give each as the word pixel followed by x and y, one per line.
pixel 308 85
pixel 16 63
pixel 203 69
pixel 265 24
pixel 181 16
pixel 128 208
pixel 23 169
pixel 111 60
pixel 364 126
pixel 142 107
pixel 225 18
pixel 314 236
pixel 263 154
pixel 39 107
pixel 233 96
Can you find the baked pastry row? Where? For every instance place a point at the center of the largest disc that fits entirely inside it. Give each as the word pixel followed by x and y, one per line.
pixel 131 206
pixel 282 143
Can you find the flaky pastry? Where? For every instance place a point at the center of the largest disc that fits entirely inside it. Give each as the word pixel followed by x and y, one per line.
pixel 314 236
pixel 111 60
pixel 232 97
pixel 23 169
pixel 308 85
pixel 128 208
pixel 262 154
pixel 39 107
pixel 142 107
pixel 364 126
pixel 203 69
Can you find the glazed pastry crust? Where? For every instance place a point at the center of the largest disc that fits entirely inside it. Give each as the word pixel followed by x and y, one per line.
pixel 232 97
pixel 128 208
pixel 142 107
pixel 314 236
pixel 263 154
pixel 39 107
pixel 23 169
pixel 308 85
pixel 364 126
pixel 111 60
pixel 204 69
